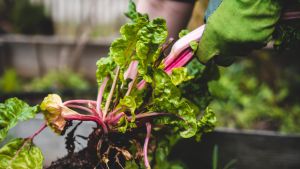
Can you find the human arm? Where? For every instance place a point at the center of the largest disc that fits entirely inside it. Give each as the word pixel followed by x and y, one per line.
pixel 176 13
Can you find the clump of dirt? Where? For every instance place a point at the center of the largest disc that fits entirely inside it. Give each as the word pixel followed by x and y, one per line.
pixel 80 160
pixel 103 151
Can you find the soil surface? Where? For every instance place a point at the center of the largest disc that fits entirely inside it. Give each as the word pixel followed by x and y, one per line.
pixel 81 160
pixel 102 151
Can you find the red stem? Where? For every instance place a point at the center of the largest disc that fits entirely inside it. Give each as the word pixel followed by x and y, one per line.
pixel 82 117
pixel 93 109
pixel 38 131
pixel 184 58
pixel 145 149
pixel 29 139
pixel 80 102
pixel 83 108
pixel 115 111
pixel 115 119
pixel 169 64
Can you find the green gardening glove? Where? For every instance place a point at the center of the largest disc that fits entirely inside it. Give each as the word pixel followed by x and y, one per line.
pixel 235 27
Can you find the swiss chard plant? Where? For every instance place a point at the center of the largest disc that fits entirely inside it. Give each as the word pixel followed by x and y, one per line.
pixel 139 107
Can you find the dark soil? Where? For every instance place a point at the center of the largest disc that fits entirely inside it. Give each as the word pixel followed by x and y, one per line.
pixel 81 160
pixel 102 151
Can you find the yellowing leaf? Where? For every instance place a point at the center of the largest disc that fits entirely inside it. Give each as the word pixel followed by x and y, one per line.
pixel 52 109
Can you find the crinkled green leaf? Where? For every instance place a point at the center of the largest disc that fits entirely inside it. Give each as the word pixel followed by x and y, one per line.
pixel 122 50
pixel 194 45
pixel 129 102
pixel 180 75
pixel 236 27
pixel 148 47
pixel 183 32
pixel 12 111
pixel 105 67
pixel 208 121
pixel 20 154
pixel 123 125
pixel 167 98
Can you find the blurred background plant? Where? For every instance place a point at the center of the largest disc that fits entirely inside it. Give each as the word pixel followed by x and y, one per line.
pixel 24 17
pixel 58 80
pixel 259 92
pixel 11 82
pixel 215 160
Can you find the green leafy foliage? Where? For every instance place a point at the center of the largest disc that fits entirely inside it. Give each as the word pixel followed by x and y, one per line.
pixel 20 154
pixel 140 40
pixel 180 75
pixel 11 112
pixel 105 67
pixel 183 33
pixel 166 97
pixel 130 103
pixel 196 89
pixel 194 45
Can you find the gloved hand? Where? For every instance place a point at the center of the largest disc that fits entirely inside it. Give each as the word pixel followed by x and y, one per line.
pixel 235 27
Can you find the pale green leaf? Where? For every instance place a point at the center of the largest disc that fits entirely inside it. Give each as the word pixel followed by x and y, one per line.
pixel 180 75
pixel 12 111
pixel 20 154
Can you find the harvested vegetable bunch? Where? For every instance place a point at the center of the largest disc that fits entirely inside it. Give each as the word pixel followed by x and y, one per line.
pixel 138 99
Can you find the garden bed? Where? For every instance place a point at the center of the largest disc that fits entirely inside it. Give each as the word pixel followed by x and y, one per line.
pixel 250 149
